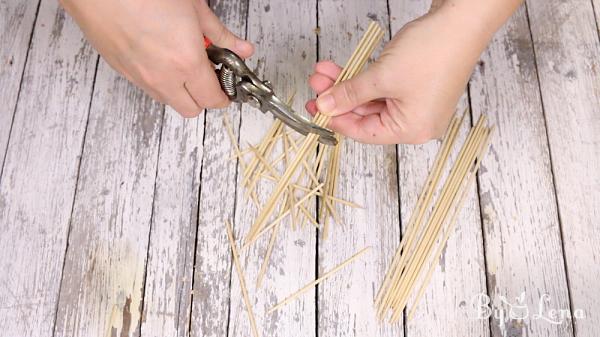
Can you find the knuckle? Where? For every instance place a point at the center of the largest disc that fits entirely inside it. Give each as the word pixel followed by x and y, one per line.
pixel 185 60
pixel 222 33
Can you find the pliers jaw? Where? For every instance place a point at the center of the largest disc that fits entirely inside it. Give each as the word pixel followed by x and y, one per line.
pixel 242 85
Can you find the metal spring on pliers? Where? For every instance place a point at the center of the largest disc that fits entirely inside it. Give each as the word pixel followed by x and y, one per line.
pixel 227 80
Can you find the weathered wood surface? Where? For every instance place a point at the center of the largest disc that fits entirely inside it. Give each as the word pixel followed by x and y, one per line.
pixel 565 38
pixel 168 285
pixel 367 177
pixel 16 25
pixel 40 172
pixel 520 221
pixel 445 309
pixel 286 50
pixel 103 276
pixel 210 308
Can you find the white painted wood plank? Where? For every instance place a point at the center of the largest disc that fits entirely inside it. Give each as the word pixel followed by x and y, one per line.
pixel 168 286
pixel 103 276
pixel 210 308
pixel 445 308
pixel 566 44
pixel 16 25
pixel 522 234
pixel 40 172
pixel 286 51
pixel 368 176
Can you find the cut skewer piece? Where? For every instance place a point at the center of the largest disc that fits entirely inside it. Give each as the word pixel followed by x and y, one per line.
pixel 317 281
pixel 242 279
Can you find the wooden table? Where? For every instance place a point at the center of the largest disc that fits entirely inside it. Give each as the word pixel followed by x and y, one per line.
pixel 112 206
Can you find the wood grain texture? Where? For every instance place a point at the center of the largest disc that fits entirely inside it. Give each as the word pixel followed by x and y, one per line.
pixel 367 177
pixel 212 271
pixel 40 172
pixel 103 277
pixel 522 234
pixel 286 50
pixel 168 286
pixel 565 39
pixel 16 26
pixel 445 309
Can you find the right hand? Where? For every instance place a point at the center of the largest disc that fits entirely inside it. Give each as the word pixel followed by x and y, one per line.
pixel 159 46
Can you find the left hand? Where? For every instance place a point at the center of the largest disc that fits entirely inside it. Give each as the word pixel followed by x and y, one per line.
pixel 409 94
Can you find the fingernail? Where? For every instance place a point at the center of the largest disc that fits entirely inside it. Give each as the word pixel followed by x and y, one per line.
pixel 326 103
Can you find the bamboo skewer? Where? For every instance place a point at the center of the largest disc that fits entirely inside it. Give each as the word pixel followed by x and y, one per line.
pixel 415 224
pixel 236 149
pixel 317 281
pixel 412 258
pixel 422 203
pixel 435 220
pixel 452 223
pixel 240 273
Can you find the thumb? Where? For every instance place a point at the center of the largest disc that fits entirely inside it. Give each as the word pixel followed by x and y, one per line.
pixel 214 29
pixel 349 94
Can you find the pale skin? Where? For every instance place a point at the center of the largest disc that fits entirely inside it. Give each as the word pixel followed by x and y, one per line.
pixel 407 95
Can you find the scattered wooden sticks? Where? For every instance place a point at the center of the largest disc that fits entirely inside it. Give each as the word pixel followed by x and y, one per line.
pixel 360 56
pixel 415 253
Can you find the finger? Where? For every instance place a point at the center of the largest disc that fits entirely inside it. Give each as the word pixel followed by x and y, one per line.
pixel 363 110
pixel 204 88
pixel 329 69
pixel 319 82
pixel 181 101
pixel 347 95
pixel 311 107
pixel 365 129
pixel 214 29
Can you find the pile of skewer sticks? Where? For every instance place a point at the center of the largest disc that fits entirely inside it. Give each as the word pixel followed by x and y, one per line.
pixel 307 161
pixel 430 224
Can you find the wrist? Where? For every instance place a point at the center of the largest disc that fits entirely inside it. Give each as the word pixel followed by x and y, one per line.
pixel 470 30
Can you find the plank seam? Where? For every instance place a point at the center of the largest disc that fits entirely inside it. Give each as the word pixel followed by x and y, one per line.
pixel 149 241
pixel 481 222
pixel 559 219
pixel 317 203
pixel 12 121
pixel 64 262
pixel 235 180
pixel 191 308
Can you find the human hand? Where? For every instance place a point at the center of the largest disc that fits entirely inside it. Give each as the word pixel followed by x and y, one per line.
pixel 159 46
pixel 409 94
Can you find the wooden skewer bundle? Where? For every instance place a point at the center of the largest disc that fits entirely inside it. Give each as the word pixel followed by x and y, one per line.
pixel 425 239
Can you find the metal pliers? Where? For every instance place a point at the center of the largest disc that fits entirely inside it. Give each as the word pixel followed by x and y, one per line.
pixel 243 86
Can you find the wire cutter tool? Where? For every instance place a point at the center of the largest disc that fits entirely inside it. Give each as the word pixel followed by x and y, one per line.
pixel 242 85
